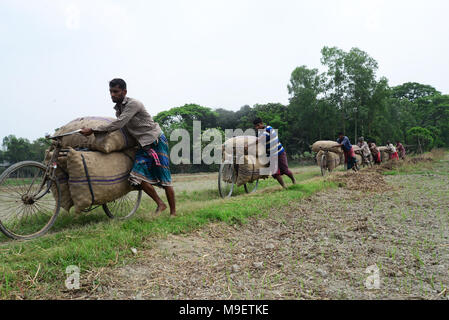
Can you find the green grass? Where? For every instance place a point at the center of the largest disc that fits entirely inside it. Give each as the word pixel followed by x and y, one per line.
pixel 92 241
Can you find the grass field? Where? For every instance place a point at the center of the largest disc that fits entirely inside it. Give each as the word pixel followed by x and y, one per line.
pixel 91 240
pixel 212 237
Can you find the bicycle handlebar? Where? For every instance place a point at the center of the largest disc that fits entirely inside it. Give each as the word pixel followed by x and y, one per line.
pixel 63 135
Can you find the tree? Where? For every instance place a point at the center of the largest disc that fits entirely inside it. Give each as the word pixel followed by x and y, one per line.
pixel 17 149
pixel 422 136
pixel 183 117
pixel 412 91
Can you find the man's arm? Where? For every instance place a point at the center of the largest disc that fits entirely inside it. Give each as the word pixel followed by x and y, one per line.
pixel 129 112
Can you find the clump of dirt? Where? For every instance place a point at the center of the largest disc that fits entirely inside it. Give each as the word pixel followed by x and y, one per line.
pixel 368 181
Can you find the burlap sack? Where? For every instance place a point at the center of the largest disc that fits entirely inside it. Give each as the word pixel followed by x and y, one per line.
pixel 238 146
pixel 359 160
pixel 108 174
pixel 357 149
pixel 333 159
pixel 104 142
pixel 236 150
pixel 63 179
pixel 384 156
pixel 330 145
pixel 249 171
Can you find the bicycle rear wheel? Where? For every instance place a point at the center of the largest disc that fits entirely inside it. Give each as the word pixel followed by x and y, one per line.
pixel 27 207
pixel 124 207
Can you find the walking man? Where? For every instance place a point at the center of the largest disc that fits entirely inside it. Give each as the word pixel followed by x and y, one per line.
pixel 274 148
pixel 393 151
pixel 365 150
pixel 348 150
pixel 151 165
pixel 376 152
pixel 401 150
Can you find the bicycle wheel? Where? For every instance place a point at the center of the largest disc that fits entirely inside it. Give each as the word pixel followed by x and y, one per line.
pixel 323 165
pixel 124 207
pixel 226 180
pixel 251 187
pixel 27 207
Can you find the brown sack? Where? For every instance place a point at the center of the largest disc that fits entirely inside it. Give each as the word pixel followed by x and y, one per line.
pixel 63 179
pixel 385 156
pixel 357 149
pixel 239 146
pixel 333 160
pixel 249 171
pixel 331 145
pixel 108 174
pixel 105 142
pixel 359 160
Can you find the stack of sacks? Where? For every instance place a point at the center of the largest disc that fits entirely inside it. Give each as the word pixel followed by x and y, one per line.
pixel 335 155
pixel 332 146
pixel 359 159
pixel 384 154
pixel 99 172
pixel 357 149
pixel 249 160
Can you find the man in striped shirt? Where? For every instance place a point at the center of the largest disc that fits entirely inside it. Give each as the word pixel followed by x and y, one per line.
pixel 275 149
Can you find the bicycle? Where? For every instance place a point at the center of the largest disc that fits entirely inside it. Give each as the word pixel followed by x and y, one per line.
pixel 324 162
pixel 30 197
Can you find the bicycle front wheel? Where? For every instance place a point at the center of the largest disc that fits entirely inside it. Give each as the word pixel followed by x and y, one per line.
pixel 323 165
pixel 226 179
pixel 27 207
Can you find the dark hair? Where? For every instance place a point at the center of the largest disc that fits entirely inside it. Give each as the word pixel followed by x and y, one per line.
pixel 117 82
pixel 341 133
pixel 257 121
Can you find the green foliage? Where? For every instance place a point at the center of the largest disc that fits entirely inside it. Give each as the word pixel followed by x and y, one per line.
pixel 422 136
pixel 20 149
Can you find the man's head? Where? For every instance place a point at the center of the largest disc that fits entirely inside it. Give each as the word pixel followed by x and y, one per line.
pixel 117 88
pixel 397 142
pixel 341 135
pixel 258 124
pixel 361 139
pixel 388 142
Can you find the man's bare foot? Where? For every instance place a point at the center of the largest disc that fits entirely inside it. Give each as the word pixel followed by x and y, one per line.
pixel 294 180
pixel 160 208
pixel 173 214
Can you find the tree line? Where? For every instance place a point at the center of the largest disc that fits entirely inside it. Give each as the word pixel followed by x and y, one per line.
pixel 346 96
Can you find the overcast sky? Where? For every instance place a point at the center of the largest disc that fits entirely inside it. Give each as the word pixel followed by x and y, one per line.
pixel 57 56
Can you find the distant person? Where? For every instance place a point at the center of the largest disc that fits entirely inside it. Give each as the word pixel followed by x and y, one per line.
pixel 375 152
pixel 151 165
pixel 274 148
pixel 393 151
pixel 364 148
pixel 348 150
pixel 401 150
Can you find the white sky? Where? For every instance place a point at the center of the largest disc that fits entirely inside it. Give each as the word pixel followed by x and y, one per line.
pixel 57 56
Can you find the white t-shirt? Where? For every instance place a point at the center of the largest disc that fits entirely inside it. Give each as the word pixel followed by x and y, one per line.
pixel 392 148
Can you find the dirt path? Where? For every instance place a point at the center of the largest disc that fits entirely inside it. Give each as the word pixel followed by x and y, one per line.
pixel 319 248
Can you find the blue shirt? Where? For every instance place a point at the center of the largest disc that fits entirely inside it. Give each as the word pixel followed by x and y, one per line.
pixel 273 144
pixel 346 143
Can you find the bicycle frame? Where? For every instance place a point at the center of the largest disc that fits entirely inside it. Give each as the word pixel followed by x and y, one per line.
pixel 50 172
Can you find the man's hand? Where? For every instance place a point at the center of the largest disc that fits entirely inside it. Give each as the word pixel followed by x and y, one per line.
pixel 86 131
